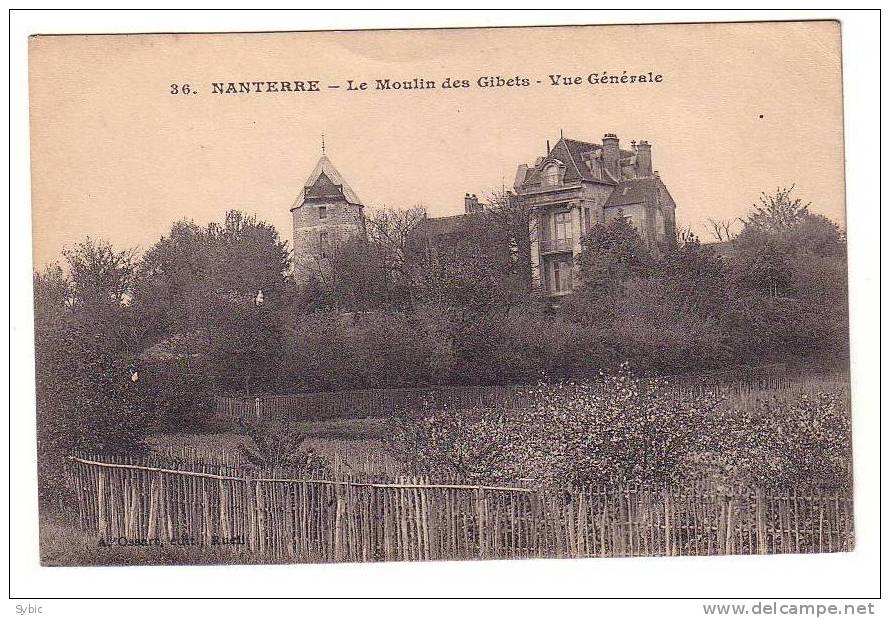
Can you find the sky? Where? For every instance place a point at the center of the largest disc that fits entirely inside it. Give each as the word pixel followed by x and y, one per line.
pixel 741 108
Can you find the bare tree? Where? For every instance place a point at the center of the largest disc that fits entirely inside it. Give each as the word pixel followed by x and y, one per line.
pixel 721 229
pixel 391 232
pixel 513 216
pixel 366 270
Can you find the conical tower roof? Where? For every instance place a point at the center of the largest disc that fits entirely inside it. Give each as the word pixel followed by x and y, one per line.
pixel 325 182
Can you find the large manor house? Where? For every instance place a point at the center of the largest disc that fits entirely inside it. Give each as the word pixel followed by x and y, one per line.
pixel 575 186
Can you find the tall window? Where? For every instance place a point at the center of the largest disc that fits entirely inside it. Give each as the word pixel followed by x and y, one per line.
pixel 322 212
pixel 551 175
pixel 323 244
pixel 562 226
pixel 562 276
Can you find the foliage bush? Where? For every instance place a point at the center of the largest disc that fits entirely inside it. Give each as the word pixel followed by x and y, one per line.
pixel 179 399
pixel 280 446
pixel 86 399
pixel 622 430
pixel 463 445
pixel 330 350
pixel 796 443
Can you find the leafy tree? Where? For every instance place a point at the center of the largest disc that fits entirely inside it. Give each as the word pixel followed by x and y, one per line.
pixel 694 277
pixel 173 286
pixel 392 237
pixel 611 255
pixel 101 283
pixel 348 278
pixel 100 276
pixel 776 212
pixel 52 293
pixel 366 271
pixel 789 271
pixel 217 295
pixel 818 235
pixel 86 399
pixel 474 268
pixel 247 256
pixel 512 217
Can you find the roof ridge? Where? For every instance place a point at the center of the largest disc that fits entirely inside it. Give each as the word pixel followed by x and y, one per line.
pixel 460 214
pixel 581 141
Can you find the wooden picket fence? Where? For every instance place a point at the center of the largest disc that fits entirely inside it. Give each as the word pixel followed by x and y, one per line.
pixel 386 402
pixel 312 520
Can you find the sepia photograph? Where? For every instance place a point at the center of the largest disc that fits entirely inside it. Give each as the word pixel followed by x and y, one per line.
pixel 441 294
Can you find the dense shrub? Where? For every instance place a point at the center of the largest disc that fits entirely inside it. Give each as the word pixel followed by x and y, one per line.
pixel 179 398
pixel 279 445
pixel 86 399
pixel 331 350
pixel 623 430
pixel 799 443
pixel 466 445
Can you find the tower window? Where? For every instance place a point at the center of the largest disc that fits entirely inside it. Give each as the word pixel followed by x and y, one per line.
pixel 323 243
pixel 322 212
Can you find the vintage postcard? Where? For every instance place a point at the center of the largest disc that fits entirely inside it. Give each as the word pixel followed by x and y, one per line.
pixel 453 294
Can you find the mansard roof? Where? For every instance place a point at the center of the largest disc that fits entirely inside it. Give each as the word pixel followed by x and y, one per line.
pixel 634 191
pixel 570 153
pixel 325 182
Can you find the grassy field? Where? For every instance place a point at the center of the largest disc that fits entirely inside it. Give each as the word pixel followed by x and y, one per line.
pixel 350 445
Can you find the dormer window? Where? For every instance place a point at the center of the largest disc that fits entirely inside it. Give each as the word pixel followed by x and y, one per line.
pixel 550 176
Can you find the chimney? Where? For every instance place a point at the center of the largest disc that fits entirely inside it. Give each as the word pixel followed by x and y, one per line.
pixel 611 155
pixel 644 160
pixel 471 203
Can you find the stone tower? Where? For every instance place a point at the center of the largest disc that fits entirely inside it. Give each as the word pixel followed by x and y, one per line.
pixel 325 214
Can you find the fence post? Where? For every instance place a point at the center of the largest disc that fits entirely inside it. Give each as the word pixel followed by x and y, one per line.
pixel 339 521
pixel 101 484
pixel 760 516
